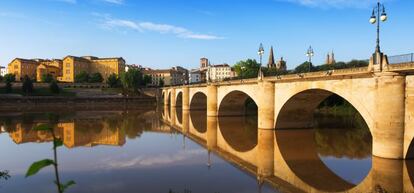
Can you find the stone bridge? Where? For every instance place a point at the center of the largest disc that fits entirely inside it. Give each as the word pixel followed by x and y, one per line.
pixel 382 93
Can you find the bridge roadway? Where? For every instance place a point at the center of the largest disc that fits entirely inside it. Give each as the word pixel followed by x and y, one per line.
pixel 275 158
pixel 383 94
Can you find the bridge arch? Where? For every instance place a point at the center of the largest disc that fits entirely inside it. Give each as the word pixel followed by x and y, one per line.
pixel 198 101
pixel 238 121
pixel 237 103
pixel 299 148
pixel 295 110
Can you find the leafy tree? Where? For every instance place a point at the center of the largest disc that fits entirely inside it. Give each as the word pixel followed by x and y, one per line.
pixel 9 78
pixel 274 71
pixel 54 87
pixel 1 78
pixel 161 83
pixel 113 81
pixel 247 69
pixel 82 77
pixel 147 79
pixel 304 67
pixel 4 175
pixel 357 63
pixel 47 78
pixel 27 85
pixel 96 78
pixel 131 80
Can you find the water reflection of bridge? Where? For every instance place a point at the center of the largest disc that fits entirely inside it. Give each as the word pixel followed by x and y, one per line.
pixel 288 165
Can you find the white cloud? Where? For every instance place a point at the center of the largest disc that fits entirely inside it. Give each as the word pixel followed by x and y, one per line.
pixel 333 3
pixel 150 161
pixel 111 23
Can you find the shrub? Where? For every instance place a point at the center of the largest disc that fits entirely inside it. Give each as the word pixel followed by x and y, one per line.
pixel 54 87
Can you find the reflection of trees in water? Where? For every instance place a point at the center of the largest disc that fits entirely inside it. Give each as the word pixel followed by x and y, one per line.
pixel 4 175
pixel 342 135
pixel 134 124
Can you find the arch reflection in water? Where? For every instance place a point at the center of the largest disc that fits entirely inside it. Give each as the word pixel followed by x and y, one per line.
pixel 179 107
pixel 198 113
pixel 319 148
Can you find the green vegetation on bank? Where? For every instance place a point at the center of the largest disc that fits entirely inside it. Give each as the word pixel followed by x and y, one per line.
pixel 249 68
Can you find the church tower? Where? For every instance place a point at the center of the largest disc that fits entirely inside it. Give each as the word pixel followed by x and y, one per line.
pixel 271 63
pixel 330 58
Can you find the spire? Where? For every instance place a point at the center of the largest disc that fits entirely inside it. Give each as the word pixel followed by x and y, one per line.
pixel 271 62
pixel 328 59
pixel 333 57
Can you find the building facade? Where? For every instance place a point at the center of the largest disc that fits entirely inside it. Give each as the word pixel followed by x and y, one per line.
pixel 23 67
pixel 3 70
pixel 65 70
pixel 219 72
pixel 73 65
pixel 195 76
pixel 174 76
pixel 52 67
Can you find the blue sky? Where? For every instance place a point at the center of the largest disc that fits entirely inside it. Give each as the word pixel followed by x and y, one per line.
pixel 164 33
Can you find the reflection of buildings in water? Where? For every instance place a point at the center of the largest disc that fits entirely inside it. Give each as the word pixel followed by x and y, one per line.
pixel 77 134
pixel 91 128
pixel 73 134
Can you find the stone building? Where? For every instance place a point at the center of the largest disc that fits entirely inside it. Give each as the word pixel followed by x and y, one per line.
pixel 73 65
pixel 52 67
pixel 3 70
pixel 219 72
pixel 281 65
pixel 174 76
pixel 65 70
pixel 22 67
pixel 330 58
pixel 271 63
pixel 195 76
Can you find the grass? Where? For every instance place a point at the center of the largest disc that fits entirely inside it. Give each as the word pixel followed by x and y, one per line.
pixel 42 91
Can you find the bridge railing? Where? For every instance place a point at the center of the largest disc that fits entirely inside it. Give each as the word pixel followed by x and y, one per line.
pixel 400 59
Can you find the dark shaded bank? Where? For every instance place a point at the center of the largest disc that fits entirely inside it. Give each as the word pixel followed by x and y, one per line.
pixel 78 103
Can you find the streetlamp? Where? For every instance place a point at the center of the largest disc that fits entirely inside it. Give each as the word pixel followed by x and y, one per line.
pixel 241 73
pixel 260 52
pixel 310 53
pixel 378 14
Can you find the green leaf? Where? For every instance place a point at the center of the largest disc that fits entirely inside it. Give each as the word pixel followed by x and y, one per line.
pixel 37 166
pixel 43 127
pixel 67 185
pixel 57 143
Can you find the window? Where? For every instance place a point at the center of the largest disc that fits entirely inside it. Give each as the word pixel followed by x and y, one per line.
pixel 67 65
pixel 67 71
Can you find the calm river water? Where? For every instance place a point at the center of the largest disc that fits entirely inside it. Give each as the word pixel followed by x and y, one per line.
pixel 161 151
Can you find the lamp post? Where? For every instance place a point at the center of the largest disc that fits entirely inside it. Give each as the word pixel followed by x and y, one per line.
pixel 241 73
pixel 378 14
pixel 260 52
pixel 310 53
